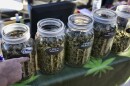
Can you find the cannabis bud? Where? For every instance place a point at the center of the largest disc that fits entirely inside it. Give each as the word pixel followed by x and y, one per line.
pixel 16 43
pixel 104 32
pixel 79 40
pixel 122 38
pixel 50 45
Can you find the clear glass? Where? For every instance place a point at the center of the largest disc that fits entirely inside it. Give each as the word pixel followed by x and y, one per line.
pixel 79 40
pixel 1 26
pixel 122 38
pixel 13 46
pixel 104 32
pixel 50 45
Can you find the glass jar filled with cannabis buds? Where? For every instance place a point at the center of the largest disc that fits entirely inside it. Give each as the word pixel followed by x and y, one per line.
pixel 16 43
pixel 79 40
pixel 122 39
pixel 50 45
pixel 104 31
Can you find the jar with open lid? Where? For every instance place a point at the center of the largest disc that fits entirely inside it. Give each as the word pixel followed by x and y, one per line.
pixel 16 42
pixel 122 38
pixel 104 31
pixel 50 39
pixel 79 40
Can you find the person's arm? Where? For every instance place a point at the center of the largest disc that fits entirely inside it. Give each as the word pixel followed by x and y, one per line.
pixel 11 71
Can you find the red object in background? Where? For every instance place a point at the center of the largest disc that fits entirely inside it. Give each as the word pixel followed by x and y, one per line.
pixel 78 11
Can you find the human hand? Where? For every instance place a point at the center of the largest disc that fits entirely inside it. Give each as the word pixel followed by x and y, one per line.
pixel 128 2
pixel 11 70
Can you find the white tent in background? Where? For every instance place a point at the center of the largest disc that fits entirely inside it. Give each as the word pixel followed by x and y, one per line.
pixel 9 5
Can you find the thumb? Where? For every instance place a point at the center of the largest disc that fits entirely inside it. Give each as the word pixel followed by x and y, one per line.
pixel 22 59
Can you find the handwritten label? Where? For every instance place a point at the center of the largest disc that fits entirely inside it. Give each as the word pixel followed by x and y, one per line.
pixel 85 45
pixel 54 51
pixel 109 34
pixel 27 50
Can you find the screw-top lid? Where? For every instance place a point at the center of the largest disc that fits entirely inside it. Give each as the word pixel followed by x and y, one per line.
pixel 123 11
pixel 15 33
pixel 105 16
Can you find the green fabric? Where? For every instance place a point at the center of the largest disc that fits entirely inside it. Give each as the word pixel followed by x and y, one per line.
pixel 75 76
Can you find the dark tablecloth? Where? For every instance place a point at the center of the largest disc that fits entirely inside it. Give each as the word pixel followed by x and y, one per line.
pixel 76 76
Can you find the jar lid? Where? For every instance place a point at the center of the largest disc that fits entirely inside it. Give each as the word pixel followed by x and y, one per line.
pixel 50 27
pixel 105 16
pixel 123 11
pixel 80 22
pixel 15 33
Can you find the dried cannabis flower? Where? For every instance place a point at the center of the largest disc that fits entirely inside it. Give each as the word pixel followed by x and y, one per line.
pixel 104 32
pixel 16 43
pixel 79 40
pixel 122 39
pixel 50 45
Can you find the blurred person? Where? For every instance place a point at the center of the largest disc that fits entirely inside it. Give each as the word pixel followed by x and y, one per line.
pixel 11 71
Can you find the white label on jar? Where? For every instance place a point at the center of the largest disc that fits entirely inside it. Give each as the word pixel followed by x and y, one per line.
pixel 27 50
pixel 85 45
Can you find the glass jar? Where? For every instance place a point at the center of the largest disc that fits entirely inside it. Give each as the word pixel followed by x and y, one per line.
pixel 122 38
pixel 104 31
pixel 1 26
pixel 50 45
pixel 16 43
pixel 79 40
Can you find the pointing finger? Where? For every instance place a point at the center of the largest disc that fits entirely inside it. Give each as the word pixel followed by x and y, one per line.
pixel 22 59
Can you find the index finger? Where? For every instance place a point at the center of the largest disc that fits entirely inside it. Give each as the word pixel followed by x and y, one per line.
pixel 22 59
